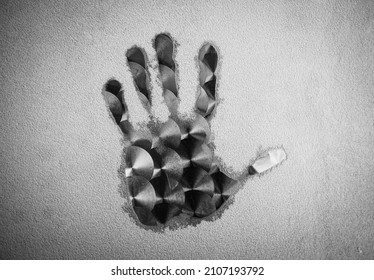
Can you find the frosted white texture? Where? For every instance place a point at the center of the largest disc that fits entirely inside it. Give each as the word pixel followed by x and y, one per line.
pixel 297 74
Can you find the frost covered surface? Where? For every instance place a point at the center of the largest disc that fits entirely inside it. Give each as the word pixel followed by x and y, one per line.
pixel 296 74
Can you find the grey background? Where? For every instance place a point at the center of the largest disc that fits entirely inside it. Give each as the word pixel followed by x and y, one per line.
pixel 294 73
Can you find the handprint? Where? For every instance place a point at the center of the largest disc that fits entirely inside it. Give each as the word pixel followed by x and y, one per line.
pixel 169 169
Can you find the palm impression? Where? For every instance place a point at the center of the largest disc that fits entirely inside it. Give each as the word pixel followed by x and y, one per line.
pixel 169 172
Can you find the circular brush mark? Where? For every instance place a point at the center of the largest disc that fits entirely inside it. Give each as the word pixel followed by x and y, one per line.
pixel 170 134
pixel 170 198
pixel 164 47
pixel 140 77
pixel 136 55
pixel 114 104
pixel 168 79
pixel 145 216
pixel 198 129
pixel 142 192
pixel 157 163
pixel 198 204
pixel 138 163
pixel 208 60
pixel 199 180
pixel 141 137
pixel 171 163
pixel 164 212
pixel 136 63
pixel 224 187
pixel 201 156
pixel 168 190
